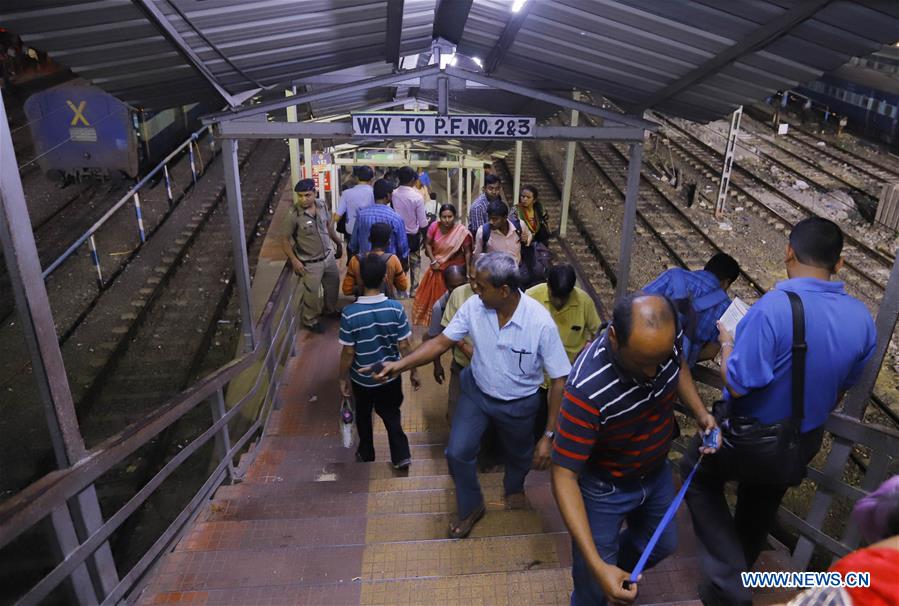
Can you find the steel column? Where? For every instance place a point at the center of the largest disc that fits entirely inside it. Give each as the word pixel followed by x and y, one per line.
pixel 728 161
pixel 223 437
pixel 307 158
pixel 635 158
pixel 48 369
pixel 468 176
pixel 459 193
pixel 570 150
pixel 238 241
pixel 443 95
pixel 516 179
pixel 335 187
pixel 449 188
pixel 293 144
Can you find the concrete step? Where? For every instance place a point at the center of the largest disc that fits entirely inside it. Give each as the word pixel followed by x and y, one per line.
pixel 348 530
pixel 331 484
pixel 544 587
pixel 332 501
pixel 272 467
pixel 407 560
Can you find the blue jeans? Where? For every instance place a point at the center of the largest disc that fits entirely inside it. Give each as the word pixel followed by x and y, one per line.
pixel 642 503
pixel 514 421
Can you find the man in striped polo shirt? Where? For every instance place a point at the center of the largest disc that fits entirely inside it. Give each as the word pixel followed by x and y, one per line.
pixel 610 455
pixel 375 330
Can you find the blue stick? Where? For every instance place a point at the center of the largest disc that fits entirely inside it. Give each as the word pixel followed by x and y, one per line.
pixel 666 519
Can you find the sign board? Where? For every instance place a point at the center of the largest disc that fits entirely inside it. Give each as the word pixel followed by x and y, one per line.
pixel 321 171
pixel 458 126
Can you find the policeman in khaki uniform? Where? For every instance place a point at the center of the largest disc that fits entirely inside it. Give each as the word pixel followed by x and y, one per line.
pixel 312 245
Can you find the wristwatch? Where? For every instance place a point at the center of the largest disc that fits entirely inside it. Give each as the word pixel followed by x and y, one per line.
pixel 549 434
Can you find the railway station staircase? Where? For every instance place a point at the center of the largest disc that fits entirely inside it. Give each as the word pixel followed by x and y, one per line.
pixel 309 525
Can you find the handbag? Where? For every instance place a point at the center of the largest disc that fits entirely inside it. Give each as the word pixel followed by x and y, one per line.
pixel 341 225
pixel 770 453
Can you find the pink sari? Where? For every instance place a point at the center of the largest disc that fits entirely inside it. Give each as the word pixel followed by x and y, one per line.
pixel 448 250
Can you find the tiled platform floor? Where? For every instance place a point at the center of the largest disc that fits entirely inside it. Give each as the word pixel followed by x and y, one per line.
pixel 309 525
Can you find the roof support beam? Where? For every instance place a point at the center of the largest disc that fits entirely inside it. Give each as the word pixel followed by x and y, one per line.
pixel 238 129
pixel 327 93
pixel 394 31
pixel 760 38
pixel 506 38
pixel 168 30
pixel 537 95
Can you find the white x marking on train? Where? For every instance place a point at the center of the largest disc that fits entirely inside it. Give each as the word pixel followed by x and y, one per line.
pixel 78 113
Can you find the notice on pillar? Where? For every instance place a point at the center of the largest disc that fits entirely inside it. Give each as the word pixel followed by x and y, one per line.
pixel 468 126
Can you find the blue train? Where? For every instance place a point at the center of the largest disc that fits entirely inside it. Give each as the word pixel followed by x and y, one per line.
pixel 868 98
pixel 80 131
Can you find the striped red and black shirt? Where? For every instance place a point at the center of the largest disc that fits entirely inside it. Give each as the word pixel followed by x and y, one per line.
pixel 613 425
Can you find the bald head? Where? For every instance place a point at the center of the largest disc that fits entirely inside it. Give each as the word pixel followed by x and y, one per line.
pixel 643 332
pixel 455 276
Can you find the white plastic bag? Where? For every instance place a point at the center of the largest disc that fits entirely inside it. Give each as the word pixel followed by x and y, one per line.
pixel 348 433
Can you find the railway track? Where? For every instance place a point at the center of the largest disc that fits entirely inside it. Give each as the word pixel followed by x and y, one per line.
pixel 852 162
pixel 867 268
pixel 105 328
pixel 880 163
pixel 810 164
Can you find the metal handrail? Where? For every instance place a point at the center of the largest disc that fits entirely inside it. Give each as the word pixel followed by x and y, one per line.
pixel 41 498
pixel 122 201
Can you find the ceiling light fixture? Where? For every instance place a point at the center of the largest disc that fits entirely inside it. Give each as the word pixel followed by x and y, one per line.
pixel 516 6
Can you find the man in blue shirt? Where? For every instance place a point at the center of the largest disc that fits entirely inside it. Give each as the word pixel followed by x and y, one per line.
pixel 477 213
pixel 700 298
pixel 756 368
pixel 356 198
pixel 515 343
pixel 380 212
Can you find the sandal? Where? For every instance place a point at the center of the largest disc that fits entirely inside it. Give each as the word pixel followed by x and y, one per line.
pixel 460 529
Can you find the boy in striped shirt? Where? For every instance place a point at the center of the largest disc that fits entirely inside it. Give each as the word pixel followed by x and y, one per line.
pixel 374 330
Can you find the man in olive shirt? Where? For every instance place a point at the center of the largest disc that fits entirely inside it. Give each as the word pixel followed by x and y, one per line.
pixel 310 242
pixel 575 316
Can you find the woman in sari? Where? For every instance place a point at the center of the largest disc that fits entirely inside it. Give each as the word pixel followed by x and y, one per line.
pixel 448 243
pixel 534 235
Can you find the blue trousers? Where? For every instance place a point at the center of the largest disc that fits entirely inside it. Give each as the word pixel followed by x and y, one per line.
pixel 514 421
pixel 642 503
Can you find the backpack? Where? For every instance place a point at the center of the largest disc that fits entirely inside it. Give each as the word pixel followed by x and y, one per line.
pixel 387 287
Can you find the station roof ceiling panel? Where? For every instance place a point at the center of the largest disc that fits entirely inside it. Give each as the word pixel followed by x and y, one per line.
pixel 230 49
pixel 698 59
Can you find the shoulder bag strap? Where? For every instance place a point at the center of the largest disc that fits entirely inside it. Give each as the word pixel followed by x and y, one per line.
pixel 799 350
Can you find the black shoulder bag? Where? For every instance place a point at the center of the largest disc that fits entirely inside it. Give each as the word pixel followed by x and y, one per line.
pixel 761 453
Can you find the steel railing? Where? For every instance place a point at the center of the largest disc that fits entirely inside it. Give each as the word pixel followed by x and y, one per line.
pixel 132 194
pixel 275 329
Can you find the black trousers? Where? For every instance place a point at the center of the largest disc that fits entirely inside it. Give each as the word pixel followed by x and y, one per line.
pixel 730 544
pixel 385 400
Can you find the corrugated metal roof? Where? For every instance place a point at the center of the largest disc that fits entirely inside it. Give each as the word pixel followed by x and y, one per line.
pixel 243 45
pixel 630 50
pixel 672 55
